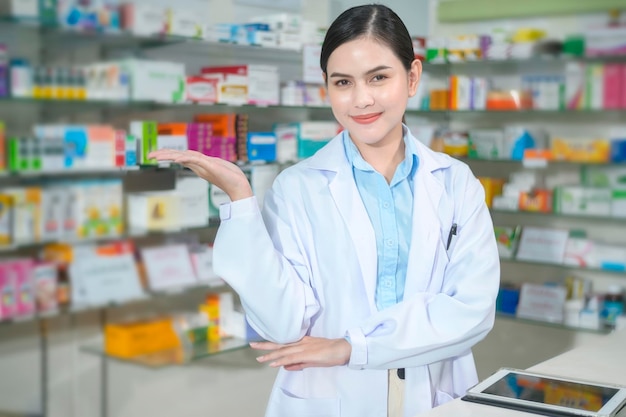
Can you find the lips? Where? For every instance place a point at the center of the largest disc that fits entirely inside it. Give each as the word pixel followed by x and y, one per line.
pixel 365 119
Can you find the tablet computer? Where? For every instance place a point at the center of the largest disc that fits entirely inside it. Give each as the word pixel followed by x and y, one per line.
pixel 548 394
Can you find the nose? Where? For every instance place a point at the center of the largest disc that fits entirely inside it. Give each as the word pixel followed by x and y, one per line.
pixel 363 97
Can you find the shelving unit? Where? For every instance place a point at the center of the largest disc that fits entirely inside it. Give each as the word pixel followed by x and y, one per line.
pixel 111 43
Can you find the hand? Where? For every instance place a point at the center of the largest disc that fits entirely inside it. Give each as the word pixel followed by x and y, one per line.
pixel 306 353
pixel 223 174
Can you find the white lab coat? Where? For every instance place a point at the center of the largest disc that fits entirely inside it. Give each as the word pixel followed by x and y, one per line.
pixel 307 266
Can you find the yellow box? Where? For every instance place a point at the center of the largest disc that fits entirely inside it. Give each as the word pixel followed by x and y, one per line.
pixel 493 187
pixel 211 308
pixel 131 339
pixel 581 150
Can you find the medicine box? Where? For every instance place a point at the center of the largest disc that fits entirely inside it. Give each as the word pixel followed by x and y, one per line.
pixel 587 201
pixel 158 81
pixel 486 144
pixel 309 138
pixel 261 146
pixel 135 338
pixel 246 84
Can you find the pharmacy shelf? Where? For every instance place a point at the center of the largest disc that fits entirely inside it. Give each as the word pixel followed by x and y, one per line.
pixel 532 61
pixel 130 234
pixel 513 317
pixel 179 356
pixel 124 39
pixel 557 215
pixel 217 285
pixel 562 266
pixel 531 164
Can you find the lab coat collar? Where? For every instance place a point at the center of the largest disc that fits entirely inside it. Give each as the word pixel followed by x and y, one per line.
pixel 332 156
pixel 427 192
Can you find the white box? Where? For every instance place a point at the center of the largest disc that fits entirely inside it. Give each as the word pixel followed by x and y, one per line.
pixel 143 18
pixel 193 193
pixel 585 201
pixel 185 23
pixel 261 83
pixel 158 81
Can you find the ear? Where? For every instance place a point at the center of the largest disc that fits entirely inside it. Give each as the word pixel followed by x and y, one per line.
pixel 415 73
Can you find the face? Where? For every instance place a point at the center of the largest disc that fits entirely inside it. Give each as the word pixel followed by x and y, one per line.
pixel 368 88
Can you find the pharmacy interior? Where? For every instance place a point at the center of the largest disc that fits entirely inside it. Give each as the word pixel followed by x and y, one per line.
pixel 109 305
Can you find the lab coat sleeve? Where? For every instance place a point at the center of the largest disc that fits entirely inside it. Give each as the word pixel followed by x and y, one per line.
pixel 271 281
pixel 429 327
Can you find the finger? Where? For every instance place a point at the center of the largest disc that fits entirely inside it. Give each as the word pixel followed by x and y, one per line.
pixel 162 154
pixel 297 367
pixel 265 345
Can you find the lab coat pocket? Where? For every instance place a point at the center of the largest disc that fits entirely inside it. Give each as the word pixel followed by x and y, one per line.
pixel 288 404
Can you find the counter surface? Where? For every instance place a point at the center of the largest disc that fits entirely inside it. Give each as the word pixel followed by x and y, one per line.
pixel 603 360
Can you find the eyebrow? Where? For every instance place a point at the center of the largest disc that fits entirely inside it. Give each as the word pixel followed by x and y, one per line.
pixel 373 70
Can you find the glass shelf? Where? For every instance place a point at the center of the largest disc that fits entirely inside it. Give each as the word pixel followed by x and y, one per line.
pixel 150 105
pixel 129 234
pixel 63 105
pixel 14 414
pixel 513 317
pixel 562 266
pixel 559 215
pixel 216 285
pixel 178 356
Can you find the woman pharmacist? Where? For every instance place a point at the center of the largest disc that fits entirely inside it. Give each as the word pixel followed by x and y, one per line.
pixel 372 269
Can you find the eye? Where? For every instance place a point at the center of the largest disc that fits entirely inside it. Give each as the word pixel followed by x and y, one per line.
pixel 342 83
pixel 379 77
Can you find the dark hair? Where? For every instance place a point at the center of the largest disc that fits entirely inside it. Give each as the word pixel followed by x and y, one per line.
pixel 374 20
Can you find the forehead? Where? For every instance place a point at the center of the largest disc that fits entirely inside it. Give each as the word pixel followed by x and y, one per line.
pixel 362 52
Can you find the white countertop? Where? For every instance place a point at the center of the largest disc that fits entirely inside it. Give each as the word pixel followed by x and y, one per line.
pixel 603 360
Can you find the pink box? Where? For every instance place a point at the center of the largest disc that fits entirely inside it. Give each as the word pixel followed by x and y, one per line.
pixel 623 86
pixel 24 291
pixel 613 89
pixel 8 303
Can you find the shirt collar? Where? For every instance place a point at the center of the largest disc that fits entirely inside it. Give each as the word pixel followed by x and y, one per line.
pixel 406 168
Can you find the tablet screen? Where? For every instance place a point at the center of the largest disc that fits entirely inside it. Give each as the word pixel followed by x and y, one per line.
pixel 548 391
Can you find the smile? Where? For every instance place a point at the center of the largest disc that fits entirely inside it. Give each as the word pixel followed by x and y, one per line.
pixel 366 118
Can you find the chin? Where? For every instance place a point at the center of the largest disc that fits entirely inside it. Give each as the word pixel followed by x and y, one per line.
pixel 370 135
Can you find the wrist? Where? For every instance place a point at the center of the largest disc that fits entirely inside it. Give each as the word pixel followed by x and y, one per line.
pixel 241 193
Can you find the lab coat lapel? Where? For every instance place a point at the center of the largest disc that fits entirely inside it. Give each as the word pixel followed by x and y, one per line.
pixel 427 191
pixel 352 210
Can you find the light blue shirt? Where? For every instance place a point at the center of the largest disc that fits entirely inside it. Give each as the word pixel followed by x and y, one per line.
pixel 390 209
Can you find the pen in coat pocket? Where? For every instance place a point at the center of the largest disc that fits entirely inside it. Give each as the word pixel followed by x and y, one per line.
pixel 452 233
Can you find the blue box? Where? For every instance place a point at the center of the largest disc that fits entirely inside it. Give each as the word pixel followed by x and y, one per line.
pixel 261 146
pixel 508 299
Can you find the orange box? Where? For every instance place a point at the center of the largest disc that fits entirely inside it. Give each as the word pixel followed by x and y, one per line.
pixel 538 200
pixel 177 129
pixel 538 154
pixel 509 100
pixel 136 338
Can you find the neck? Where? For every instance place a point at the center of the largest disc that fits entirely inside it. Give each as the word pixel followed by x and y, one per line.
pixel 384 157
